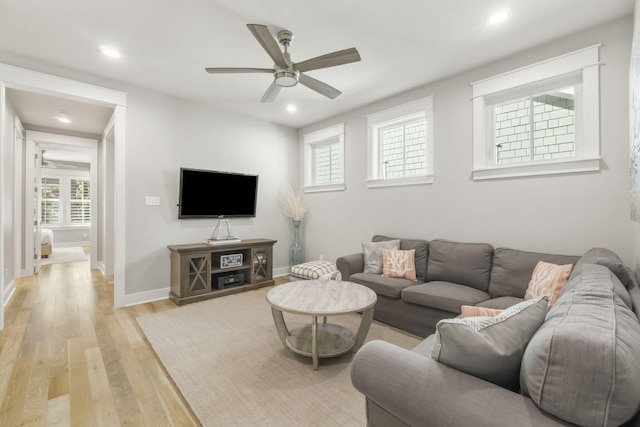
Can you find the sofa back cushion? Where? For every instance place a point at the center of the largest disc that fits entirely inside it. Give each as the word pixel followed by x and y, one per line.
pixel 422 250
pixel 581 365
pixel 512 270
pixel 462 263
pixel 609 259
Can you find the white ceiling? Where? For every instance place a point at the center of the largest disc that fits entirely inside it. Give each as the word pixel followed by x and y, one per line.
pixel 167 44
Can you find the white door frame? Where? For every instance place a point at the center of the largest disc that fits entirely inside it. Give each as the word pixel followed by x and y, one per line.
pixel 32 81
pixel 45 140
pixel 18 197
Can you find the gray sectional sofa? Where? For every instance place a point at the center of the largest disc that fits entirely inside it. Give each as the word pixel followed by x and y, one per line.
pixel 449 275
pixel 581 365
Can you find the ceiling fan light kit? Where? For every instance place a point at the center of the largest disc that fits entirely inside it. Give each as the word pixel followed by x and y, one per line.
pixel 287 73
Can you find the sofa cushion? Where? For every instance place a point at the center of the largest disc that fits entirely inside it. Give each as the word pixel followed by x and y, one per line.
pixel 609 259
pixel 373 254
pixel 500 302
pixel 444 296
pixel 399 263
pixel 490 347
pixel 582 364
pixel 422 250
pixel 386 286
pixel 512 269
pixel 463 263
pixel 548 279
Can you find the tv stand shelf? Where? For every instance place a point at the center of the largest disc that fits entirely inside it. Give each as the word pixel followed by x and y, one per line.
pixel 201 271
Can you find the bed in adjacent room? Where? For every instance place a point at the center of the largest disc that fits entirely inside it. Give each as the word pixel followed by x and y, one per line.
pixel 46 241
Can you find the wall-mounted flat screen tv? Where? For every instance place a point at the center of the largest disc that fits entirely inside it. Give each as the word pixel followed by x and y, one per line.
pixel 214 194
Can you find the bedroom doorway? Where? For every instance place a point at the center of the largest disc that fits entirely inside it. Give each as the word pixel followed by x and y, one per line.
pixel 63 209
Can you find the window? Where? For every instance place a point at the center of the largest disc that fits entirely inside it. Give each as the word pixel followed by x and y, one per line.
pixel 540 119
pixel 401 145
pixel 50 201
pixel 80 204
pixel 65 200
pixel 324 159
pixel 539 127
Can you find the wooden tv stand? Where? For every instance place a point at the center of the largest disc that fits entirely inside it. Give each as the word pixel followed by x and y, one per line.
pixel 201 271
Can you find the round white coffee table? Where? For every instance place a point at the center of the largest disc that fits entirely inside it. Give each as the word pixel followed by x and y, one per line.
pixel 321 298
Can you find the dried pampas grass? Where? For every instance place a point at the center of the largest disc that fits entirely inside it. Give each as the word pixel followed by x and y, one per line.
pixel 293 204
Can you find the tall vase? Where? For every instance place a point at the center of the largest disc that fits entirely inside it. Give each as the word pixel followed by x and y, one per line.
pixel 296 250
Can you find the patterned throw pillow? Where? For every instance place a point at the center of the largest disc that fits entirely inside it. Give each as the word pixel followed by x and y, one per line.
pixel 548 279
pixel 373 254
pixel 397 263
pixel 472 311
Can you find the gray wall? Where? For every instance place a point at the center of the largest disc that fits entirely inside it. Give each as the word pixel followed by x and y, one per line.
pixel 164 134
pixel 565 214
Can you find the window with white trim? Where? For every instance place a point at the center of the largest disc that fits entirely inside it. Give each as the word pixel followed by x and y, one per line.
pixel 324 159
pixel 65 200
pixel 80 201
pixel 540 119
pixel 401 145
pixel 50 201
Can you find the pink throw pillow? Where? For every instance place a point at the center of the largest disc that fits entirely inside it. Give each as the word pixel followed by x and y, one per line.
pixel 472 311
pixel 399 263
pixel 548 279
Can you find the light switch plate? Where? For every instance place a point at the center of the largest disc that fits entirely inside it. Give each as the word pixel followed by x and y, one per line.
pixel 152 201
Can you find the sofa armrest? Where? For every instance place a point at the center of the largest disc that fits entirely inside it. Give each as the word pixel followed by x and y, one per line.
pixel 350 264
pixel 420 391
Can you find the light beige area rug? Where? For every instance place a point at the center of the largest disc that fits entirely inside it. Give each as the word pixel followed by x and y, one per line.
pixel 225 356
pixel 60 255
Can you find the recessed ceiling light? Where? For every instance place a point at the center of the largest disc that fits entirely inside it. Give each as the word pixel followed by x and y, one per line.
pixel 111 52
pixel 63 118
pixel 292 108
pixel 499 17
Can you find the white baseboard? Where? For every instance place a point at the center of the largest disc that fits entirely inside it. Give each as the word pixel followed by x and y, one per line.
pixel 281 271
pixel 9 291
pixel 147 296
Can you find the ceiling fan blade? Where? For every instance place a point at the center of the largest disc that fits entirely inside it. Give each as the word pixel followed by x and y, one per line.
pixel 318 86
pixel 269 44
pixel 340 57
pixel 271 93
pixel 214 70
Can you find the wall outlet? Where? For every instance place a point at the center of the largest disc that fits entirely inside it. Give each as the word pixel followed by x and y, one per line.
pixel 321 257
pixel 152 201
pixel 6 273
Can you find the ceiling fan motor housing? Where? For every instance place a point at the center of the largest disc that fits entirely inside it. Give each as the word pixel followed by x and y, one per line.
pixel 286 77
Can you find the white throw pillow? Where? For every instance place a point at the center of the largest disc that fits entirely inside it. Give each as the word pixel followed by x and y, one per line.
pixel 373 254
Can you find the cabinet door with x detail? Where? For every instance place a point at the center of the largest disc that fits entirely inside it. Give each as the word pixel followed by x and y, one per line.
pixel 198 273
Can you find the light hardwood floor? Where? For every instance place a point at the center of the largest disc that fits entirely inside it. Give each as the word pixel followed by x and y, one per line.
pixel 68 358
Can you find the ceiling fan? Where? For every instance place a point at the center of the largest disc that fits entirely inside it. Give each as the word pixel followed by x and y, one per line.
pixel 287 73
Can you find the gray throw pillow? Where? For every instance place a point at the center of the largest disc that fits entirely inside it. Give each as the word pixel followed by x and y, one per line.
pixel 490 348
pixel 373 254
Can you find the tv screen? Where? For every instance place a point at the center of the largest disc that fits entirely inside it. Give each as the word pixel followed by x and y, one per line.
pixel 213 194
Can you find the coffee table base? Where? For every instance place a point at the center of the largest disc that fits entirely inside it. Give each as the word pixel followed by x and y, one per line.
pixel 333 340
pixel 322 340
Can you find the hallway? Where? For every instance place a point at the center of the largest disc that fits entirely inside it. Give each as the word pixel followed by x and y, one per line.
pixel 68 358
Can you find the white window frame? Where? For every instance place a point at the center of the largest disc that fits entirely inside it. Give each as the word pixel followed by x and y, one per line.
pixel 421 108
pixel 581 68
pixel 65 177
pixel 330 135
